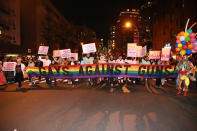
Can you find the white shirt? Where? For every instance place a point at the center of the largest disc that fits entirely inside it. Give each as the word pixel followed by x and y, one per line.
pixel 88 60
pixel 72 63
pixel 120 61
pixel 45 61
pixel 131 61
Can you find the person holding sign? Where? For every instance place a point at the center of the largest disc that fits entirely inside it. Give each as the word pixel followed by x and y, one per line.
pixel 46 62
pixel 88 60
pixel 19 72
pixel 121 79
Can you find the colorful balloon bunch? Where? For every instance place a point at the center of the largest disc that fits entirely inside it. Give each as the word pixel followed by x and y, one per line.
pixel 186 42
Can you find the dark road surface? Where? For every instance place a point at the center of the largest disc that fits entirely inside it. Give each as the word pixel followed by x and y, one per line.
pixel 83 109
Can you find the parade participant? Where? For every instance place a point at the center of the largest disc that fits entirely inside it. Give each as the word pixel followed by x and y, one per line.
pixel 31 64
pixel 121 80
pixel 148 81
pixel 111 79
pixel 53 62
pixel 19 71
pixel 72 62
pixel 101 81
pixel 132 60
pixel 46 62
pixel 185 67
pixel 39 64
pixel 3 79
pixel 60 61
pixel 88 60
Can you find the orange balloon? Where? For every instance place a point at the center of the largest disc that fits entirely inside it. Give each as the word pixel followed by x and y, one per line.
pixel 182 33
pixel 178 37
pixel 190 46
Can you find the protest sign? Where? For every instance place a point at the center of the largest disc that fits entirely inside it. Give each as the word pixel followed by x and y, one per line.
pixel 9 66
pixel 138 51
pixel 56 53
pixel 89 48
pixel 165 55
pixel 75 56
pixel 43 50
pixel 154 54
pixel 131 50
pixel 66 53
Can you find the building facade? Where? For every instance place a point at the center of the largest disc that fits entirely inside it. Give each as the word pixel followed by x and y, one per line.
pixel 9 25
pixel 169 18
pixel 31 23
pixel 121 34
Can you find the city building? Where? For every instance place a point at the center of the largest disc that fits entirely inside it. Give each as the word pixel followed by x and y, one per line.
pixel 169 18
pixel 9 25
pixel 125 30
pixel 146 13
pixel 25 25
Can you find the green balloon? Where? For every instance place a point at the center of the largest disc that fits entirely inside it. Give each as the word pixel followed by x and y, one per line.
pixel 187 39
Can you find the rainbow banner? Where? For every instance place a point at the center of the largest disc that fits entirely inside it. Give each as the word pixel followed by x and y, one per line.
pixel 104 70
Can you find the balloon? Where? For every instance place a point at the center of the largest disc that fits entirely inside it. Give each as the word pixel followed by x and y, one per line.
pixel 178 41
pixel 186 34
pixel 182 33
pixel 192 40
pixel 183 42
pixel 188 51
pixel 178 37
pixel 184 47
pixel 189 31
pixel 192 35
pixel 195 43
pixel 180 45
pixel 190 46
pixel 178 49
pixel 182 52
pixel 182 38
pixel 176 45
pixel 195 48
pixel 187 39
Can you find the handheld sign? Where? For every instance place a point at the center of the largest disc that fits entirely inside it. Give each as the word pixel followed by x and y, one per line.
pixel 56 53
pixel 165 55
pixel 43 50
pixel 9 66
pixel 89 48
pixel 154 54
pixel 66 53
pixel 131 50
pixel 139 51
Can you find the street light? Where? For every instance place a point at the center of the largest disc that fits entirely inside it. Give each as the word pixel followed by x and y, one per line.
pixel 128 24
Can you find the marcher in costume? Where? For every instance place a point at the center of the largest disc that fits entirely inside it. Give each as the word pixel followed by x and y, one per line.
pixel 185 67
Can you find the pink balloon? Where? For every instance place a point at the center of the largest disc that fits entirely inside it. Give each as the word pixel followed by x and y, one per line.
pixel 192 40
pixel 195 48
pixel 178 41
pixel 192 35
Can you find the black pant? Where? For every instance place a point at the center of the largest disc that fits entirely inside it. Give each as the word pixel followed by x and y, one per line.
pixel 19 77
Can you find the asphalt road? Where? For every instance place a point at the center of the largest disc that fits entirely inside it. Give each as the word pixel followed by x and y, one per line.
pixel 92 109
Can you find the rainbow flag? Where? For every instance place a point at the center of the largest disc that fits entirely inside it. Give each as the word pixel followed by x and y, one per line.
pixel 104 70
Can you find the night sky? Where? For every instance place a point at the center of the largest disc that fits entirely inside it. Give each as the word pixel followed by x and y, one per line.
pixel 97 15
